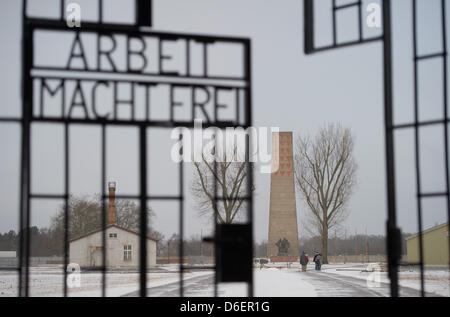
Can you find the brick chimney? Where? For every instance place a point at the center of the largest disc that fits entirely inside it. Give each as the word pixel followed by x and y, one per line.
pixel 112 203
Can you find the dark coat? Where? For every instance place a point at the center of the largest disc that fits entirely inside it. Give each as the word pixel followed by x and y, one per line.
pixel 303 259
pixel 318 259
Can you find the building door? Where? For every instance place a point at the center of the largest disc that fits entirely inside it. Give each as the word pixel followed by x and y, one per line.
pixel 96 256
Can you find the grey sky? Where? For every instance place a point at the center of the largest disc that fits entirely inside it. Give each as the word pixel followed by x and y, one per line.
pixel 292 91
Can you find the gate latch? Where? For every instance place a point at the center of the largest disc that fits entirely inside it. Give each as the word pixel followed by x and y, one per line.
pixel 233 249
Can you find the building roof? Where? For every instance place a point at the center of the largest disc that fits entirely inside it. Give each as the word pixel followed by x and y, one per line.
pixel 428 231
pixel 107 227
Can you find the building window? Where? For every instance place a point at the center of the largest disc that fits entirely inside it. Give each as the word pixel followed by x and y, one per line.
pixel 113 235
pixel 127 251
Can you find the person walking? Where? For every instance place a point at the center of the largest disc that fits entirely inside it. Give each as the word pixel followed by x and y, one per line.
pixel 304 261
pixel 314 260
pixel 318 261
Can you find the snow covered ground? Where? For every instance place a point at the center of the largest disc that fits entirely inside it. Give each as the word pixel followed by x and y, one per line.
pixel 272 282
pixel 437 279
pixel 48 281
pixel 346 280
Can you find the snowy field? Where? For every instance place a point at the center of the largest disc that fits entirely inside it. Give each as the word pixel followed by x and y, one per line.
pixel 274 282
pixel 437 279
pixel 341 280
pixel 345 280
pixel 48 281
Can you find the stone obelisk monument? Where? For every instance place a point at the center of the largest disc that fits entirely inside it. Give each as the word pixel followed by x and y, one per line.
pixel 283 230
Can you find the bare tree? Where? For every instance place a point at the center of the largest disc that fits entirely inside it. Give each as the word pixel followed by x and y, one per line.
pixel 85 215
pixel 231 179
pixel 325 173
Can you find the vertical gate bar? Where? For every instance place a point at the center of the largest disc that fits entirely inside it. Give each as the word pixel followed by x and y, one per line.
pixel 389 134
pixel 334 23
pixel 143 203
pixel 61 8
pixel 21 221
pixel 100 16
pixel 188 57
pixel 248 78
pixel 216 210
pixel 445 99
pixel 250 209
pixel 360 18
pixel 417 148
pixel 309 25
pixel 249 123
pixel 102 193
pixel 22 130
pixel 205 60
pixel 66 203
pixel 181 222
pixel 144 12
pixel 28 211
pixel 27 95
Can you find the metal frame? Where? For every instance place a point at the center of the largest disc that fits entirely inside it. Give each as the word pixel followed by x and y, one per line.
pixel 30 25
pixel 418 124
pixel 393 232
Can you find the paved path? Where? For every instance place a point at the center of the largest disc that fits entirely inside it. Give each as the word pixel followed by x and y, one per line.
pixel 325 284
pixel 334 285
pixel 192 286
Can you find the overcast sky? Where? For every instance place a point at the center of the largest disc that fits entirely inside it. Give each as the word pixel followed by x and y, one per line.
pixel 291 91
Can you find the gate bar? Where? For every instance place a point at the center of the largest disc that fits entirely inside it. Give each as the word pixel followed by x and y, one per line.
pixel 143 203
pixel 445 104
pixel 66 204
pixel 27 93
pixel 392 230
pixel 417 148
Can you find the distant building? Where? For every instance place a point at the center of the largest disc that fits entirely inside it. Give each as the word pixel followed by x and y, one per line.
pixel 122 245
pixel 435 246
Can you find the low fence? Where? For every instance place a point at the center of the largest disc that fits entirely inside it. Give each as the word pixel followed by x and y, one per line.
pixel 171 260
pixel 357 259
pixel 199 260
pixel 34 261
pixel 361 259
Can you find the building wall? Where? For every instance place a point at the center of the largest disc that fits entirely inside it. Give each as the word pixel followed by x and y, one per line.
pixel 435 247
pixel 88 249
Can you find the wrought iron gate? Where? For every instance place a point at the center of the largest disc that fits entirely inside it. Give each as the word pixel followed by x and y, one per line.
pixel 394 235
pixel 33 74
